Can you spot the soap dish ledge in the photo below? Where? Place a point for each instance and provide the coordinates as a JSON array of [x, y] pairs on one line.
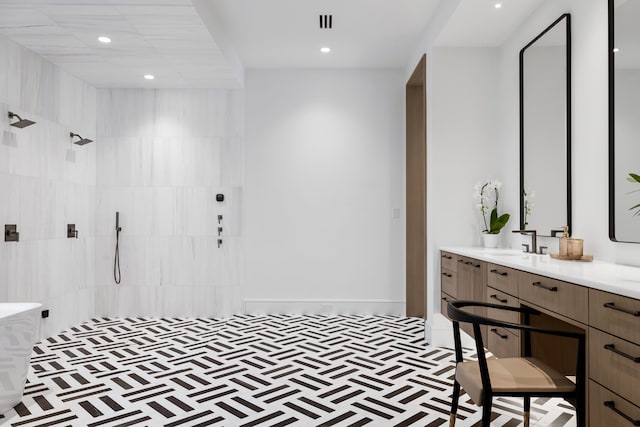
[[582, 258]]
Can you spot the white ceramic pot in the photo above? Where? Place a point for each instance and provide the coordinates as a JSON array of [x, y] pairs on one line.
[[491, 240]]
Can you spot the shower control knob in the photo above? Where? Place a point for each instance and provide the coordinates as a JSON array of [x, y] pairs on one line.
[[219, 243], [219, 230]]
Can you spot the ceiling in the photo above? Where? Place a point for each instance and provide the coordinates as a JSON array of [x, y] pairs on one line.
[[287, 33], [208, 43], [165, 38], [479, 23]]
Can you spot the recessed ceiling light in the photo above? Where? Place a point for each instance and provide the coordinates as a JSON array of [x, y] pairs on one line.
[[325, 49], [104, 39], [497, 5], [149, 76], [616, 50]]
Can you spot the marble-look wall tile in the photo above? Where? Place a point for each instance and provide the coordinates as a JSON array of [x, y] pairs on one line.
[[46, 182], [4, 68], [10, 196], [126, 112], [14, 70], [235, 105], [4, 272], [132, 301], [176, 302], [106, 298], [163, 174], [232, 169]]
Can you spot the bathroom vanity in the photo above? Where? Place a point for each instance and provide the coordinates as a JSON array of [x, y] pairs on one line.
[[600, 299]]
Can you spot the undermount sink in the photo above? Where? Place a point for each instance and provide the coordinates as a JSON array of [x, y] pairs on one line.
[[508, 253]]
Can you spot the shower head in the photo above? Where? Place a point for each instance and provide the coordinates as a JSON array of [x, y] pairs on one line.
[[21, 123], [82, 140]]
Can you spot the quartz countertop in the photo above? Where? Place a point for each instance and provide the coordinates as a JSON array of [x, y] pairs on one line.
[[615, 278]]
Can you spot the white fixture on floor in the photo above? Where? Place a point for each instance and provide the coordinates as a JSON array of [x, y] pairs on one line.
[[19, 324]]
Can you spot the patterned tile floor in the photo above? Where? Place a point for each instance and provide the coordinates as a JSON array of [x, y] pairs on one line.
[[249, 371]]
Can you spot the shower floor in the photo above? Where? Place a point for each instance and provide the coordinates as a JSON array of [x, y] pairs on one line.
[[249, 371]]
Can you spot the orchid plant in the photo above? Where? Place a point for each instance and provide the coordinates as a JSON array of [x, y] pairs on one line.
[[634, 178], [528, 205], [488, 193]]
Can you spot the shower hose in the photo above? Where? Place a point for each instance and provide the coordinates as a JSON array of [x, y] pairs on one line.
[[116, 260]]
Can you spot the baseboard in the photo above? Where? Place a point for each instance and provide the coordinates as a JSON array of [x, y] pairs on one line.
[[310, 306], [439, 333]]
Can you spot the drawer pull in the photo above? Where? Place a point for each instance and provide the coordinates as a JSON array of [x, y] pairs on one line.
[[447, 274], [613, 348], [445, 299], [501, 273], [476, 265], [549, 288], [496, 297], [611, 405], [495, 331], [460, 260], [624, 310], [447, 256]]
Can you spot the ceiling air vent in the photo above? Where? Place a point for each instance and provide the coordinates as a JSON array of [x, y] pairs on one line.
[[326, 21]]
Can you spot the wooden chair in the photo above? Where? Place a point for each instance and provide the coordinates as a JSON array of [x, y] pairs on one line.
[[524, 376]]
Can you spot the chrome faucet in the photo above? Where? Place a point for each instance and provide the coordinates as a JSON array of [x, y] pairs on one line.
[[529, 249]]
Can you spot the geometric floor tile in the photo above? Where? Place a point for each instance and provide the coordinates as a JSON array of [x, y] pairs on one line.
[[275, 370]]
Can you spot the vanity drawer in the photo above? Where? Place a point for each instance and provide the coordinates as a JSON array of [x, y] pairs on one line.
[[448, 282], [444, 300], [608, 409], [503, 278], [611, 364], [494, 296], [448, 261], [615, 314], [502, 342], [561, 297]]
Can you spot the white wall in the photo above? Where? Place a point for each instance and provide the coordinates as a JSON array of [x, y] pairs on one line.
[[324, 169], [45, 184], [163, 155], [492, 139], [589, 125], [462, 150]]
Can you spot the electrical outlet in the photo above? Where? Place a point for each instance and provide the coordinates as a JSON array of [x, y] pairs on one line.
[[45, 313]]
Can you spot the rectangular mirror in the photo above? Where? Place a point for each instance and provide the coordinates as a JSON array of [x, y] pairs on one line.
[[624, 123], [545, 129]]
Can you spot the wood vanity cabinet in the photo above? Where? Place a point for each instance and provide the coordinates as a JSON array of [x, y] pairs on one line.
[[448, 280], [502, 289], [614, 359], [463, 278], [611, 322]]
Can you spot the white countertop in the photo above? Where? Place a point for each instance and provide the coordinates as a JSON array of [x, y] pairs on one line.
[[609, 277]]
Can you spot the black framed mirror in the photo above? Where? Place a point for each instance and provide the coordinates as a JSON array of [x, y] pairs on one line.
[[624, 126], [545, 129]]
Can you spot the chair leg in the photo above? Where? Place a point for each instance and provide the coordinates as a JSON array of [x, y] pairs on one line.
[[580, 412], [454, 403], [527, 410], [486, 410], [580, 406]]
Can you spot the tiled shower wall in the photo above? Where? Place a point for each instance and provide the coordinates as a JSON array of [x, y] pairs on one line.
[[45, 184], [162, 156]]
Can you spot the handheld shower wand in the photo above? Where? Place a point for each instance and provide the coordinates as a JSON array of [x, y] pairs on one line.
[[116, 261]]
